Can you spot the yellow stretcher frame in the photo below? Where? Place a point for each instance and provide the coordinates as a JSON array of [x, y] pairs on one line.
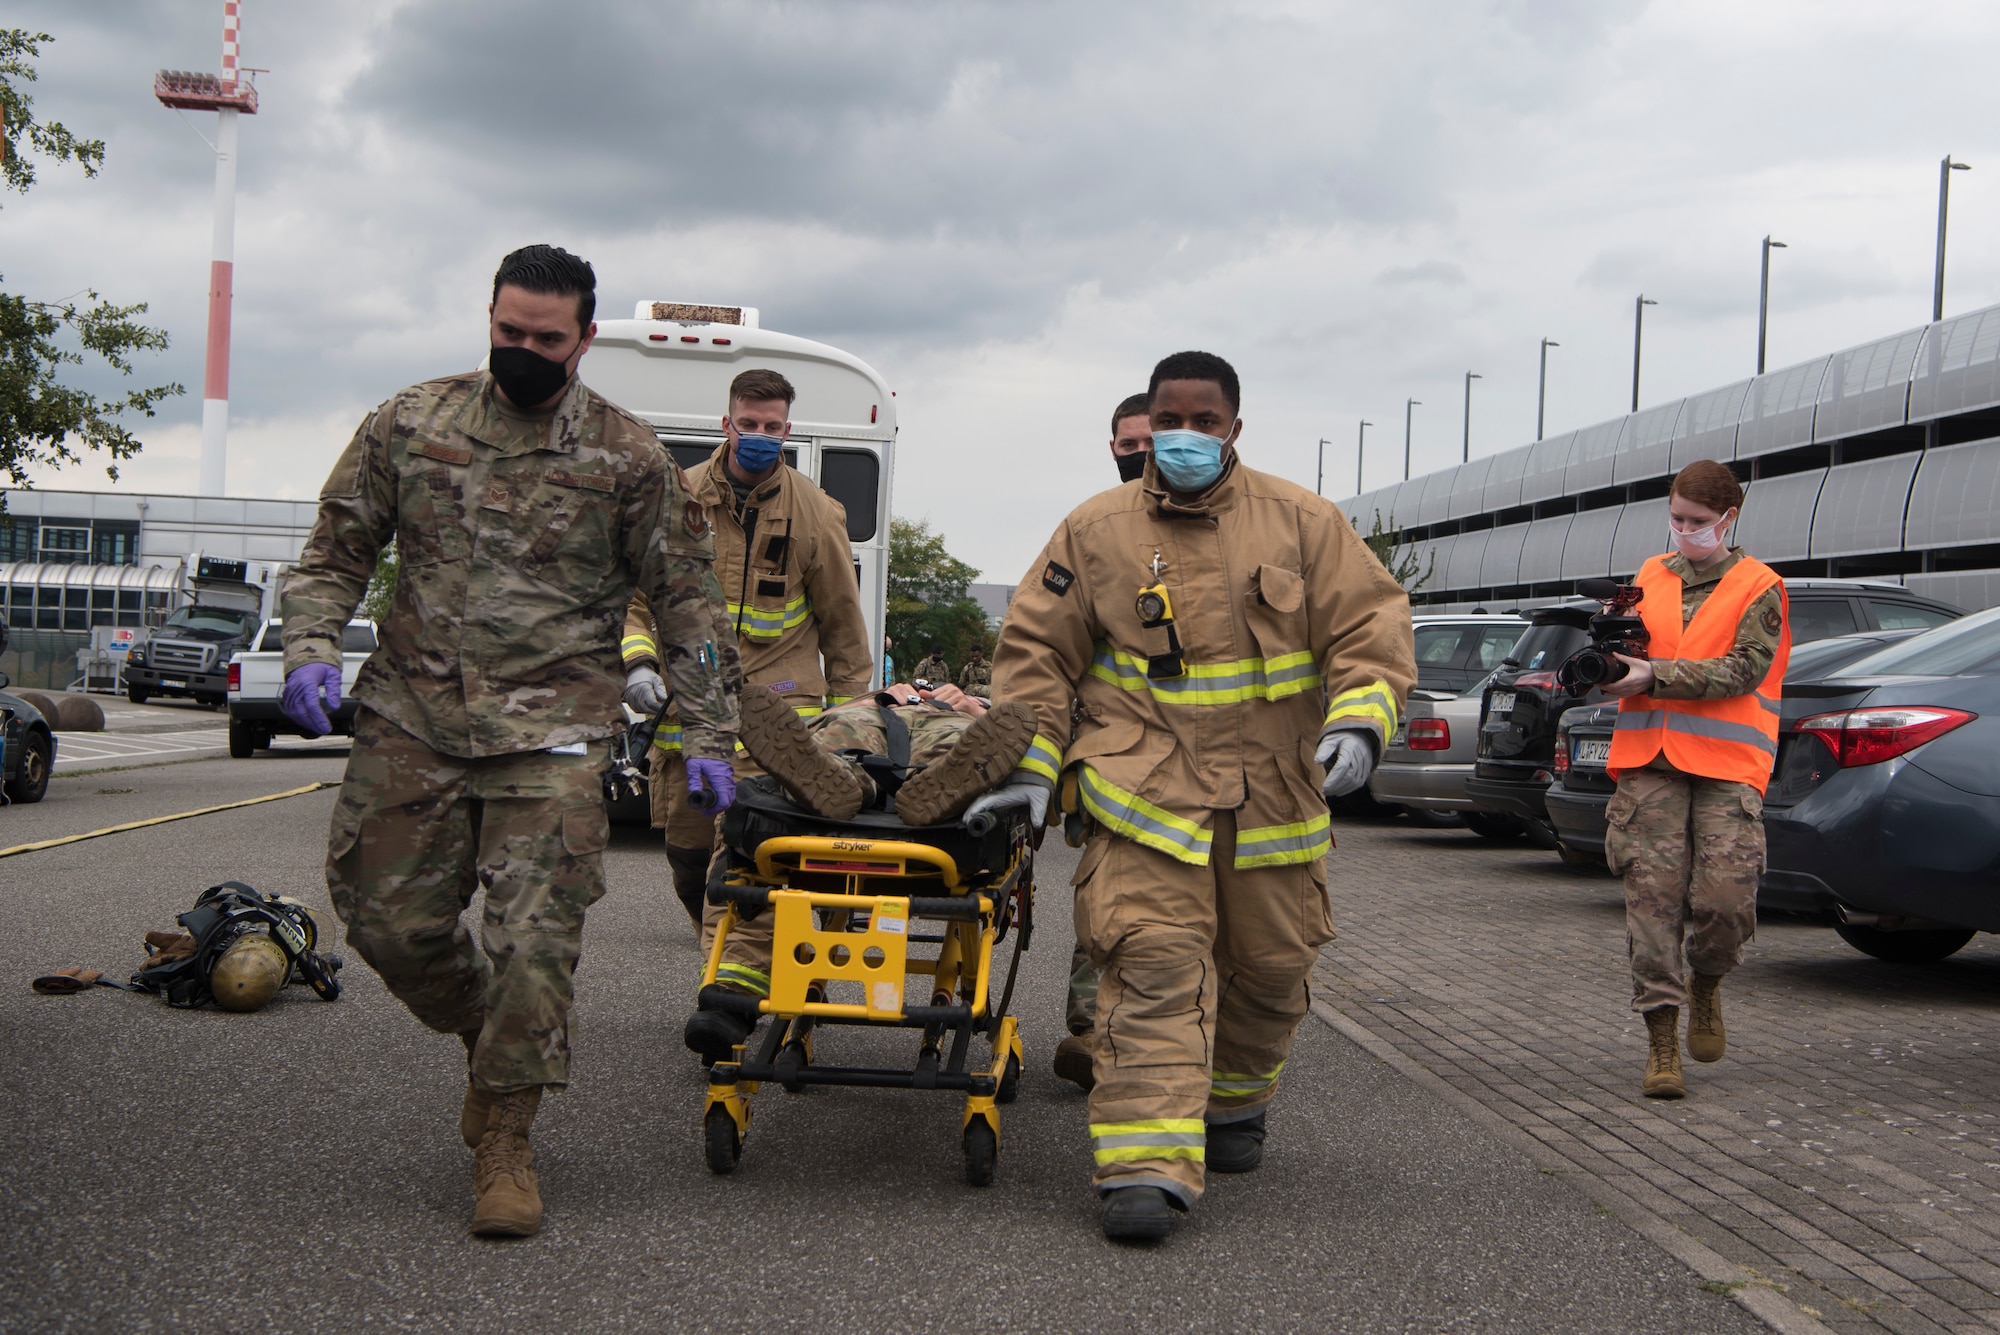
[[808, 953]]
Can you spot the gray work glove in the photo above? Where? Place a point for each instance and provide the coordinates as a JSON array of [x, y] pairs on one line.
[[645, 691], [1349, 757], [1021, 792]]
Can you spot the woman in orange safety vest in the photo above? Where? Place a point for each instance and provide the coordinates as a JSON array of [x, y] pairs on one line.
[[1696, 736]]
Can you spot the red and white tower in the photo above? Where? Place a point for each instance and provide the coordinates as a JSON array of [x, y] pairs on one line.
[[226, 97]]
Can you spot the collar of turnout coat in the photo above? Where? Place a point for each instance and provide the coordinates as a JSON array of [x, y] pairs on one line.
[[1220, 498], [482, 418], [714, 489]]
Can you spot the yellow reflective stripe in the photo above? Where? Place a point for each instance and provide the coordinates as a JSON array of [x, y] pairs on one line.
[[1236, 1084], [1151, 1139], [1374, 702], [638, 646], [667, 739], [763, 625], [745, 977], [1284, 845], [1044, 758], [1142, 822], [833, 701], [1210, 683]]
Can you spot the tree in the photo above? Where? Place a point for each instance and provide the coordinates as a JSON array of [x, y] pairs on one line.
[[42, 420], [1396, 556], [381, 591], [928, 601]]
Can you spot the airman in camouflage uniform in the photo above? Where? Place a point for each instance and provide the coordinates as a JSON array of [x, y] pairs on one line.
[[934, 669], [976, 677], [481, 738]]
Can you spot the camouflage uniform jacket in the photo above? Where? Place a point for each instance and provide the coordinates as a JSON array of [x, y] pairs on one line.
[[787, 575], [521, 539], [1736, 672], [933, 670], [976, 678]]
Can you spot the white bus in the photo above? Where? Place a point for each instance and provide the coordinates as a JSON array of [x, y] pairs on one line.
[[671, 365]]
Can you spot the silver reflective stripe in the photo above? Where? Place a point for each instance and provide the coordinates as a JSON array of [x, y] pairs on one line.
[[1697, 725], [1770, 706], [1149, 1139]]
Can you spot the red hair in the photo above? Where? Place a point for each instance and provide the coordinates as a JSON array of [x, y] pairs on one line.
[[1709, 484]]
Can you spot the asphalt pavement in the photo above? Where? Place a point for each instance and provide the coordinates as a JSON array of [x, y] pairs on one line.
[[299, 1169]]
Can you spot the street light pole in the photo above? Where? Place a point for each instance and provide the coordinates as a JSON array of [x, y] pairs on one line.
[[1638, 332], [1945, 169], [1319, 482], [1764, 300], [1360, 449], [1407, 405], [1465, 454], [1542, 389]]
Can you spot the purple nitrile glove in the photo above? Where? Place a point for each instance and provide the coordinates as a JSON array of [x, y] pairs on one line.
[[301, 699], [718, 777]]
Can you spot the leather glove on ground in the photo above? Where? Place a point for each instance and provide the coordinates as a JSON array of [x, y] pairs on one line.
[[1349, 757], [1034, 796], [301, 698], [719, 776], [645, 691]]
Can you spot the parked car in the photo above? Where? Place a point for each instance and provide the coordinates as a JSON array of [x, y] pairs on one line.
[[1515, 764], [1583, 787], [1429, 759], [1885, 805], [256, 686], [30, 748], [1455, 652]]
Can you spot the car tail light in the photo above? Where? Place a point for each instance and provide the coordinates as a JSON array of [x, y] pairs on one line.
[[1871, 736], [1544, 680], [1560, 762], [235, 676], [1429, 734]]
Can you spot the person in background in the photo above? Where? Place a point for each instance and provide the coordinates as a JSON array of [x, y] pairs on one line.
[[976, 678], [888, 660], [1131, 437], [934, 669]]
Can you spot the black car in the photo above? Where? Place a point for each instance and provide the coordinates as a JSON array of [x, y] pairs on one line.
[[1885, 804], [1583, 747], [1517, 731], [30, 748]]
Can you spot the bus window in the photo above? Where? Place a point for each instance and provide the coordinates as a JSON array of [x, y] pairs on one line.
[[687, 456], [853, 477]]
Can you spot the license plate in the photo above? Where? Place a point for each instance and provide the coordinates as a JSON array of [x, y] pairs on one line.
[[173, 681], [1503, 702], [1591, 751]]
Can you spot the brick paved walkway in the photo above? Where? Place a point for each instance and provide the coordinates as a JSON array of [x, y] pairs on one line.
[[1846, 1152]]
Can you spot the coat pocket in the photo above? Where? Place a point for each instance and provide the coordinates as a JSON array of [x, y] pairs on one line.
[[1617, 833], [1276, 612]]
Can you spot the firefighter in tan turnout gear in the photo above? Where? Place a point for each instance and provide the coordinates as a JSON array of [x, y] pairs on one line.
[[1238, 655], [787, 573]]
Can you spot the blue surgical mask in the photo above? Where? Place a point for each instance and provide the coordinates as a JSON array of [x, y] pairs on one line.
[[754, 454], [1188, 461]]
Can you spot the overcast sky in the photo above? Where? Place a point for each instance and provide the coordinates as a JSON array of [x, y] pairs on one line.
[[1013, 210]]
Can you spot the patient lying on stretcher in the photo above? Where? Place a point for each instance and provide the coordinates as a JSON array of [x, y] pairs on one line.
[[960, 747]]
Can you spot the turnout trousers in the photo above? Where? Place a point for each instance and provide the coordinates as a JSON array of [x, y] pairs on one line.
[[1690, 850], [415, 833], [1203, 985], [691, 834]]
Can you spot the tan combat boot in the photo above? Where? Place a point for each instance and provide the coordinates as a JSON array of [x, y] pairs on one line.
[[1663, 1058], [478, 1103], [777, 739], [982, 758], [1076, 1061], [503, 1169], [1707, 1039]]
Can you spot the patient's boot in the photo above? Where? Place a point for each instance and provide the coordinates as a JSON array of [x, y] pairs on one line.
[[982, 758], [777, 739]]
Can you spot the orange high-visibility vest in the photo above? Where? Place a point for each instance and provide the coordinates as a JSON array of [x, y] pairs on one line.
[[1735, 739]]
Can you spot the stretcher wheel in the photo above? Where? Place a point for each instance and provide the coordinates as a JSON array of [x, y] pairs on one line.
[[724, 1144], [982, 1147], [1010, 1081]]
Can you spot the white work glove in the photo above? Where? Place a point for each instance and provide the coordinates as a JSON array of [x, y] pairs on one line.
[[1021, 792], [645, 691], [1349, 757]]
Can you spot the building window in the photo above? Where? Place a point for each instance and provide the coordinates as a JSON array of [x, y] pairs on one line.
[[115, 542], [64, 544], [17, 539]]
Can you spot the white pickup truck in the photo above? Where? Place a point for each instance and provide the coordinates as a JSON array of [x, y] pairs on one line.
[[257, 681]]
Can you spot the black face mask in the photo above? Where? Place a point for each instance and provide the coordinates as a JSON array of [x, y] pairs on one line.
[[525, 376], [1131, 467]]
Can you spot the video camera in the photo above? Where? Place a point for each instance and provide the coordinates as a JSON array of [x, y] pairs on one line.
[[1615, 630]]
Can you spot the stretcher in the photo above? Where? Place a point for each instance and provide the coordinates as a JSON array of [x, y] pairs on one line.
[[875, 924]]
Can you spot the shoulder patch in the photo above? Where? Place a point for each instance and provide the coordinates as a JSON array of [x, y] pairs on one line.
[[1773, 623], [1057, 579], [695, 519]]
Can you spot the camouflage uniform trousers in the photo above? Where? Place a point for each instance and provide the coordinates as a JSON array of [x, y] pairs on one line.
[[1690, 850], [746, 955], [415, 833]]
